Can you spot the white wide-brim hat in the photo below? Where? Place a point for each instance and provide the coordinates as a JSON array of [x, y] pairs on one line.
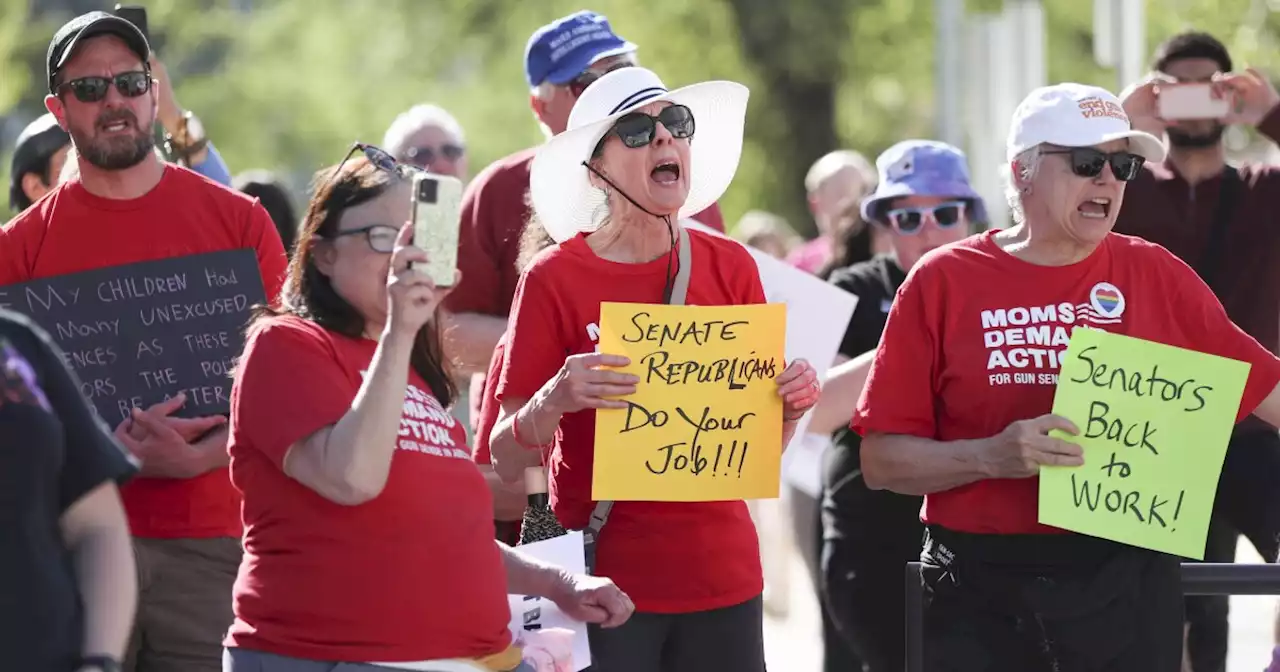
[[565, 201]]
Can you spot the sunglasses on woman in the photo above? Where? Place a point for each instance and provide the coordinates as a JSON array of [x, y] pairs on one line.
[[94, 89], [381, 237], [909, 221], [637, 128], [1088, 162]]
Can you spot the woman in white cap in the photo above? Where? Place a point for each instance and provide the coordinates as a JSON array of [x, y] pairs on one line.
[[612, 191], [957, 403]]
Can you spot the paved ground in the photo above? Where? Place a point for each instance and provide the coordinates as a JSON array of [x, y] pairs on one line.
[[792, 643]]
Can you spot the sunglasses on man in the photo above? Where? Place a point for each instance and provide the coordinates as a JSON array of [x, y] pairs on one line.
[[425, 156], [909, 221], [1088, 162], [94, 89], [580, 83]]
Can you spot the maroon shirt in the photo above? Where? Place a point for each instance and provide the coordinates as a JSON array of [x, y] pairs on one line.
[[1163, 208]]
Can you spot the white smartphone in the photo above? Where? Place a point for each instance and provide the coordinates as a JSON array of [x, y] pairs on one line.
[[437, 205], [1191, 101]]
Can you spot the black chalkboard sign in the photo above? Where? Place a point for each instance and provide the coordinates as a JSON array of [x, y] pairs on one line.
[[141, 333]]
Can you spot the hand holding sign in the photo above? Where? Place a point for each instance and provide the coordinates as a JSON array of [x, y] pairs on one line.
[[593, 599], [190, 429], [799, 388], [1025, 446], [582, 383]]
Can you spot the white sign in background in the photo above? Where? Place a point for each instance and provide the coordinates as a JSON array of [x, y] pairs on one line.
[[817, 315], [528, 613]]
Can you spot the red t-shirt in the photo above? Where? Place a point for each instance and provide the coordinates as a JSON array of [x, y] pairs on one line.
[[974, 339], [670, 557], [71, 231], [413, 574], [490, 407]]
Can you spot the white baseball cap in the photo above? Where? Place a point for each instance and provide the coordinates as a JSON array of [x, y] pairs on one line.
[[1076, 115]]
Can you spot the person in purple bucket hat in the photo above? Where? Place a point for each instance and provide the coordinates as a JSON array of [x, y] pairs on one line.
[[923, 201]]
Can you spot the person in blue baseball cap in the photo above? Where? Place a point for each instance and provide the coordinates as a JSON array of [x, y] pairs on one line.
[[923, 200], [562, 59]]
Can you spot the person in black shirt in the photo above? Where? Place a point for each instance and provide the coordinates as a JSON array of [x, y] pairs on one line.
[[924, 201], [67, 579]]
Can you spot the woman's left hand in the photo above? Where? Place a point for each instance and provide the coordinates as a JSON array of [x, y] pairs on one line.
[[799, 388]]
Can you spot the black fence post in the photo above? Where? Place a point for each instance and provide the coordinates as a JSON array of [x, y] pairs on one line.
[[915, 618]]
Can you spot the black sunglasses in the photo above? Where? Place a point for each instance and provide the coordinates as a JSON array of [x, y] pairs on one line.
[[381, 237], [581, 82], [379, 157], [909, 221], [94, 89], [637, 129], [1088, 162], [424, 156]]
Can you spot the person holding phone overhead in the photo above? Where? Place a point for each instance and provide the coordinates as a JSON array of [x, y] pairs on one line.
[[354, 474], [1224, 222], [612, 190]]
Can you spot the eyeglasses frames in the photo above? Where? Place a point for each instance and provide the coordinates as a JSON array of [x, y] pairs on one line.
[[580, 83]]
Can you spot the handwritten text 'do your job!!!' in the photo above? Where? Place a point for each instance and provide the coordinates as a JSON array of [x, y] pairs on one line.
[[705, 422]]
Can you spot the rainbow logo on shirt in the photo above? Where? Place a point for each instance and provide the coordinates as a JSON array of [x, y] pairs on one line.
[[1106, 299]]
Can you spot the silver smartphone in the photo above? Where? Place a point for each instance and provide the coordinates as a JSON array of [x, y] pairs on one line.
[[437, 205]]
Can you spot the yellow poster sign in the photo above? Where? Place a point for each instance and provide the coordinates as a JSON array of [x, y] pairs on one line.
[[1154, 423], [705, 423]]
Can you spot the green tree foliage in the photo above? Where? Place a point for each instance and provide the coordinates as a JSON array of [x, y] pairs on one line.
[[288, 84]]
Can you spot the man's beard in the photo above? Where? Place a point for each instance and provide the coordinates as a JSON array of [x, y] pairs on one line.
[[1184, 140], [118, 152]]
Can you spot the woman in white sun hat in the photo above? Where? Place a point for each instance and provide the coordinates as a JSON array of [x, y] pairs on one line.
[[611, 191], [958, 406]]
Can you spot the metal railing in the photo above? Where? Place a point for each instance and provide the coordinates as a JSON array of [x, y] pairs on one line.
[[1197, 579]]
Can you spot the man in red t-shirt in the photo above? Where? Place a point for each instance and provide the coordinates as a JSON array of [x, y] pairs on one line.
[[494, 207], [128, 206]]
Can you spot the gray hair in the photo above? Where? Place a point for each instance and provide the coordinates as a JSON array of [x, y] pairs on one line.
[[836, 161], [1021, 170], [415, 119]]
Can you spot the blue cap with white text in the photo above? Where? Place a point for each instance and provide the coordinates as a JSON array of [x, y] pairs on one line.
[[560, 51]]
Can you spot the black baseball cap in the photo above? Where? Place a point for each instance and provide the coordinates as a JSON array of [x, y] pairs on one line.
[[90, 25], [35, 147]]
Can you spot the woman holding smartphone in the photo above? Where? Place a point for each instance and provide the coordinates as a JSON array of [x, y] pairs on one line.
[[368, 529]]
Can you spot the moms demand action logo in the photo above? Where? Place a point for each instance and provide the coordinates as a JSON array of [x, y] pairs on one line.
[[1025, 344]]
